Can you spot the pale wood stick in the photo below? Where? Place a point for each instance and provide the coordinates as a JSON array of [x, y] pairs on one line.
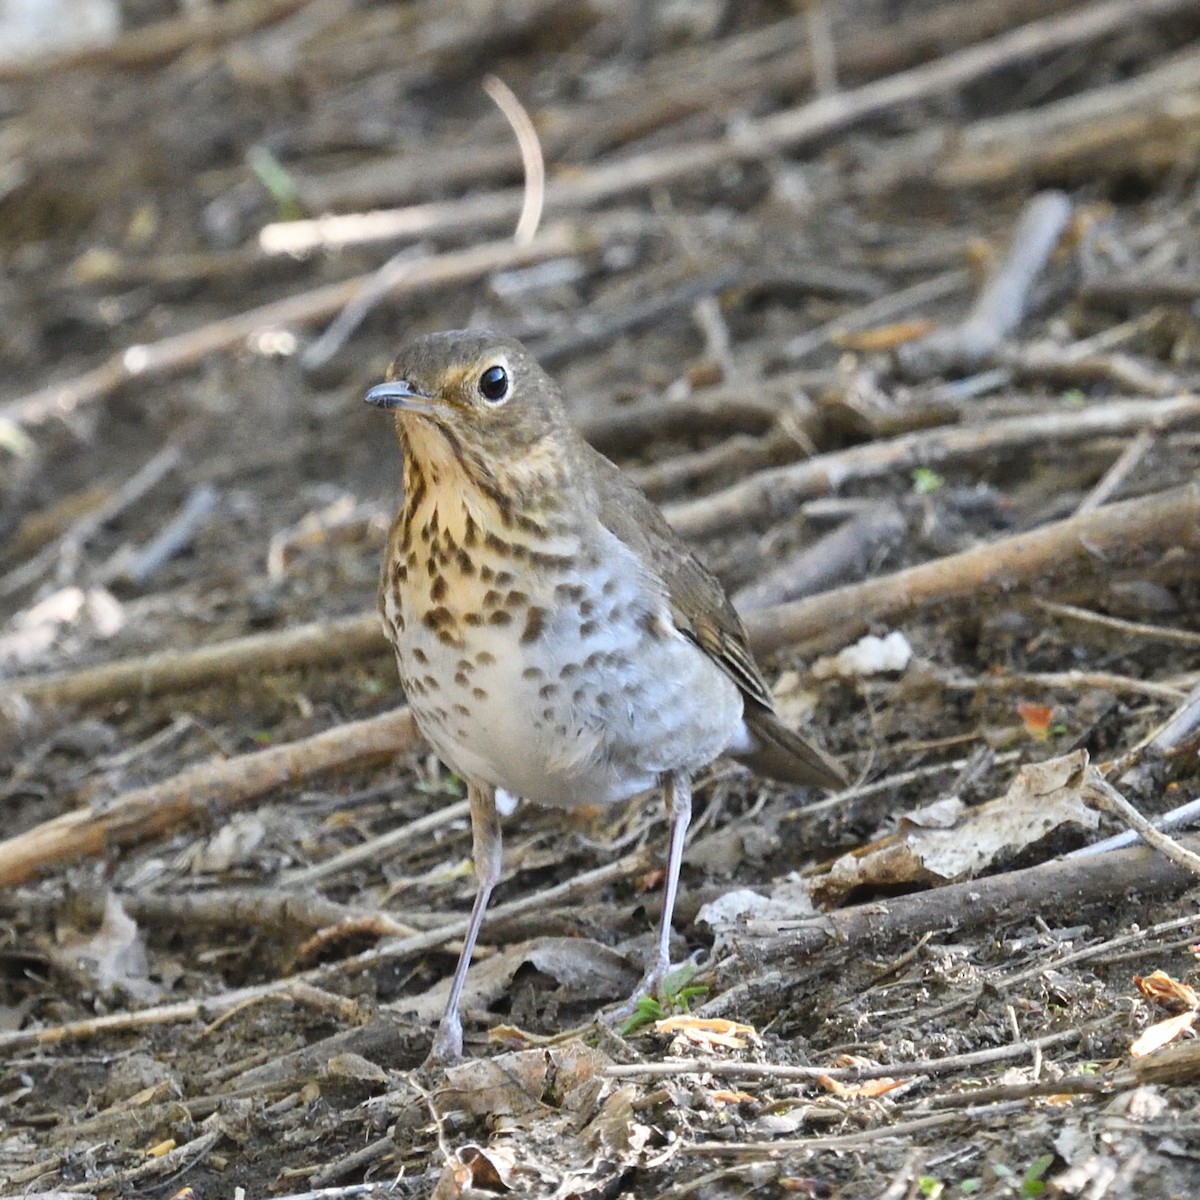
[[320, 642], [1065, 886], [772, 493], [160, 40], [184, 350], [756, 139], [201, 792], [1100, 542]]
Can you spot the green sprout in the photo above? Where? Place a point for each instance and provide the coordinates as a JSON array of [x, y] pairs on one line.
[[274, 176], [926, 481], [677, 996]]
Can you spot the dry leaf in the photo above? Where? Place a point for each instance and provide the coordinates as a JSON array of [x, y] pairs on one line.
[[587, 969], [1170, 993], [114, 956], [727, 1097], [1036, 718], [882, 337], [1043, 797], [708, 1031], [868, 1089], [1161, 1033]]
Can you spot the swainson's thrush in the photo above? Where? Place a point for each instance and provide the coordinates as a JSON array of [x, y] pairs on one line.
[[555, 638]]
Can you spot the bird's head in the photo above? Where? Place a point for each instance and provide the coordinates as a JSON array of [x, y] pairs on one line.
[[483, 392]]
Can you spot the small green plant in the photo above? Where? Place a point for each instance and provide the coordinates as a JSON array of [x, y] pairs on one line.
[[928, 1186], [677, 996], [1033, 1184], [969, 1187], [274, 176], [925, 481]]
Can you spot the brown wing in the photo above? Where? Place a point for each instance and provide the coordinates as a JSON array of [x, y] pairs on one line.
[[699, 606]]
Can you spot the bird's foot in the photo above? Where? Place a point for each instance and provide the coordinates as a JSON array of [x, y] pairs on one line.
[[662, 983], [447, 1048]]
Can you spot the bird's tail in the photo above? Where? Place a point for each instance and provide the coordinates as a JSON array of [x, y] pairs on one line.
[[781, 753]]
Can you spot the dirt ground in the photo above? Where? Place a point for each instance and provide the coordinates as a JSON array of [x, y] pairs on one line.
[[892, 305]]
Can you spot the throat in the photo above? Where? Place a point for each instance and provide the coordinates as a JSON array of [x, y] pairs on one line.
[[466, 495]]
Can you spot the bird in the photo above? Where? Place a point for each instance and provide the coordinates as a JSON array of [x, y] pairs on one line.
[[555, 638]]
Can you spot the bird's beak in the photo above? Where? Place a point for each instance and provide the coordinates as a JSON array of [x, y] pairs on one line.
[[400, 394]]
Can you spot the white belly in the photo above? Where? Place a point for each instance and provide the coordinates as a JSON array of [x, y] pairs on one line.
[[596, 707]]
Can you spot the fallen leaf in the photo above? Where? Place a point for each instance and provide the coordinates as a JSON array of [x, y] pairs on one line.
[[1036, 718], [868, 1089], [712, 1031], [727, 1097], [1170, 993], [882, 337], [1043, 797], [1161, 1033], [114, 956]]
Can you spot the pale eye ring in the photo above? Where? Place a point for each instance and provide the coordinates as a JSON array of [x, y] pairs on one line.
[[494, 385]]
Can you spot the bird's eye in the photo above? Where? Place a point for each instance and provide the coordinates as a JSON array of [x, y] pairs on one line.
[[493, 385]]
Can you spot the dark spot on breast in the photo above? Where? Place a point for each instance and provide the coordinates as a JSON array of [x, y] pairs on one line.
[[578, 694], [587, 628], [551, 562], [532, 673], [500, 617], [547, 714], [610, 586], [430, 683], [568, 669], [462, 710], [461, 679], [594, 660], [515, 599], [435, 618], [615, 613], [465, 564], [485, 658], [438, 589], [419, 655], [470, 531], [491, 598], [547, 690], [587, 607], [447, 638], [474, 619], [486, 574], [535, 623], [569, 593], [479, 693], [650, 625], [504, 578]]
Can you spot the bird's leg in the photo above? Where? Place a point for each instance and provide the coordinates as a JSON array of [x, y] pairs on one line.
[[486, 836], [677, 794]]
